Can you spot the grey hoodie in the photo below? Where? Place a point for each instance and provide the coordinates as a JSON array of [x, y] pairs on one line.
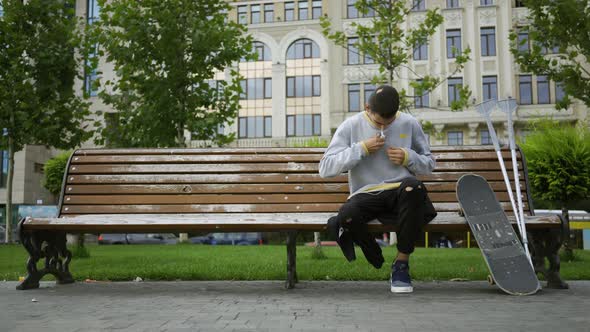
[[375, 172]]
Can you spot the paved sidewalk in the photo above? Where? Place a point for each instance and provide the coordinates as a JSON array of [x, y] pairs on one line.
[[267, 306]]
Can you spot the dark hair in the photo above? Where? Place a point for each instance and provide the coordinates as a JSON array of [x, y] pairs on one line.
[[384, 101]]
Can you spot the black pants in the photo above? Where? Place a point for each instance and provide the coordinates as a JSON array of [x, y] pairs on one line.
[[407, 206]]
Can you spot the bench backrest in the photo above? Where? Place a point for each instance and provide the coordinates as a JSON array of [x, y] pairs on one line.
[[264, 180]]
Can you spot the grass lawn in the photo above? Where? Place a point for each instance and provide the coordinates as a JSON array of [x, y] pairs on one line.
[[268, 262]]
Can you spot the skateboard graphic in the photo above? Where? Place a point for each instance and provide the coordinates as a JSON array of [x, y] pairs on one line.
[[503, 253]]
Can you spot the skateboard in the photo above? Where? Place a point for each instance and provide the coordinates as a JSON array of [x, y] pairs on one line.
[[503, 253]]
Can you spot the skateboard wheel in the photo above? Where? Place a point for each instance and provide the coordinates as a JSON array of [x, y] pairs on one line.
[[491, 280]]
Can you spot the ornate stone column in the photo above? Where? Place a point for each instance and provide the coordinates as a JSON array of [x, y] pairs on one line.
[[279, 106], [472, 135], [438, 134]]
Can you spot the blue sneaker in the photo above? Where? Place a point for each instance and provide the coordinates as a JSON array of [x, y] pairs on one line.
[[400, 278]]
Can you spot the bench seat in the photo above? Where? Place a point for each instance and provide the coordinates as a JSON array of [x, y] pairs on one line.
[[269, 222]]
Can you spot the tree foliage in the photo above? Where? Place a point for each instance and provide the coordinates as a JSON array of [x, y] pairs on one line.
[[41, 45], [390, 44], [559, 27], [53, 172], [558, 160], [38, 66], [164, 53]]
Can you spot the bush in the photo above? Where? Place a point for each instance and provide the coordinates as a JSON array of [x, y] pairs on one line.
[[54, 172], [558, 159]]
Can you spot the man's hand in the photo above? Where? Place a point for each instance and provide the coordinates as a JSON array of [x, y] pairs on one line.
[[396, 155], [373, 144]]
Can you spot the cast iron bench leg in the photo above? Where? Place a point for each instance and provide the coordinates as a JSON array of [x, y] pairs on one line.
[[291, 260], [545, 243], [50, 245]]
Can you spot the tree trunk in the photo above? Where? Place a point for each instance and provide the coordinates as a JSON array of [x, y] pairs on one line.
[[8, 238], [317, 240]]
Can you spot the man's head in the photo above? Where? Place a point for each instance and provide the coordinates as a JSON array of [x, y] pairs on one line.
[[384, 102]]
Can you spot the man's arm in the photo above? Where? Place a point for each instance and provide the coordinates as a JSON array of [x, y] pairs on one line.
[[418, 159], [341, 155]]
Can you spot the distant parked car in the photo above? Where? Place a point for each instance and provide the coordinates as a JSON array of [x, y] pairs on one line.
[[228, 238], [137, 239]]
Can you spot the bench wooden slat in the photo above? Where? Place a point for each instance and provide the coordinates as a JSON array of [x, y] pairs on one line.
[[251, 198], [455, 175], [211, 151], [472, 166], [256, 158], [202, 178], [204, 199], [193, 168], [206, 151], [197, 159], [207, 188], [229, 208], [200, 208], [242, 222]]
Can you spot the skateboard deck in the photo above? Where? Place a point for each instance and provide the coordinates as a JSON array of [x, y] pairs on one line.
[[497, 239]]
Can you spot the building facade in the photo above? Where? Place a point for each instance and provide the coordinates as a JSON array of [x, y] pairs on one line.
[[302, 86]]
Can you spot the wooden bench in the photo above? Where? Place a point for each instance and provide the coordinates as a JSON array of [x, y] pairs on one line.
[[245, 190]]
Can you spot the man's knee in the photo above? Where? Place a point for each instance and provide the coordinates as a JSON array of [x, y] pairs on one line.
[[412, 185], [349, 215]]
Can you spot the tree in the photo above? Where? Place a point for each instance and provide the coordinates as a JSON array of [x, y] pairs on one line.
[[164, 54], [558, 160], [558, 27], [39, 45], [390, 45]]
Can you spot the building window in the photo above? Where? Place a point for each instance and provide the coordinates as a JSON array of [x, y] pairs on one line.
[[256, 88], [488, 41], [523, 42], [269, 13], [559, 92], [303, 86], [486, 2], [254, 126], [254, 14], [543, 95], [455, 85], [421, 52], [423, 100], [453, 43], [354, 97], [525, 89], [351, 11], [316, 9], [418, 5], [490, 87], [452, 3], [243, 14], [519, 3], [369, 89], [304, 125], [289, 11], [455, 138], [1, 10], [303, 10], [4, 171], [353, 52], [303, 49], [485, 137], [262, 50]]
